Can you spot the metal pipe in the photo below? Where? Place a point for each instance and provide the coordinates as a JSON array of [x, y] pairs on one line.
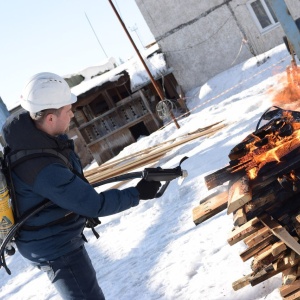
[[287, 23], [156, 86]]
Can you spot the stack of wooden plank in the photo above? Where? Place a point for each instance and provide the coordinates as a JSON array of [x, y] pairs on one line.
[[147, 156], [262, 186]]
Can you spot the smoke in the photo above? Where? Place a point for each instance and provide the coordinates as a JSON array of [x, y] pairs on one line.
[[287, 95]]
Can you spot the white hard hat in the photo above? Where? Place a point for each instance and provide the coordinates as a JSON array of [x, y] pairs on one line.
[[46, 90]]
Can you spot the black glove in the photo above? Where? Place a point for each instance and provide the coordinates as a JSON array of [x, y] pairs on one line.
[[147, 189], [92, 222]]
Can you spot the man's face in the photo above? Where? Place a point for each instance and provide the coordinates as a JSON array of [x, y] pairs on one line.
[[62, 121]]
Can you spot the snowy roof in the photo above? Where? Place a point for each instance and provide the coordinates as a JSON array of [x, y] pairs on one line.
[[138, 75]]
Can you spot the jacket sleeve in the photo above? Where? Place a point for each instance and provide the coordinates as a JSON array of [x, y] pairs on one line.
[[58, 184]]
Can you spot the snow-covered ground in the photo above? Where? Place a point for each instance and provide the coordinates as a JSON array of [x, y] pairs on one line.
[[155, 251]]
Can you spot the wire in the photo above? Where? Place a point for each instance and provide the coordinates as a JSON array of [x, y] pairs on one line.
[[226, 91], [201, 42], [242, 43]]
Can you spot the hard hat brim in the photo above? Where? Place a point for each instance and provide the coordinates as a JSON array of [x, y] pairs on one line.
[[31, 107], [73, 98]]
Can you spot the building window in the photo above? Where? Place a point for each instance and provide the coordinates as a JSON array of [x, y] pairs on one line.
[[262, 14]]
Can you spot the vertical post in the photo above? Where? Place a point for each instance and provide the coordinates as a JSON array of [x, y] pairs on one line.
[[148, 108], [156, 86], [288, 24]]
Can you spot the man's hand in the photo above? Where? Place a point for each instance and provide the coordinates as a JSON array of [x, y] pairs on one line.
[[147, 189]]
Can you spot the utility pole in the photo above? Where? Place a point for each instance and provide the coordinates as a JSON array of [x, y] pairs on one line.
[[135, 29], [287, 23], [156, 86]]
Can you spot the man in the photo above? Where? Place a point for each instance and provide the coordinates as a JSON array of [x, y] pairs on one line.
[[53, 239]]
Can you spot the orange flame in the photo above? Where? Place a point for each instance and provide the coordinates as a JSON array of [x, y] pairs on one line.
[[276, 148], [289, 95]]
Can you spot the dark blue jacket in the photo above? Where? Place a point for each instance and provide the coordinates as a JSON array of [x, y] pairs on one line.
[[47, 177]]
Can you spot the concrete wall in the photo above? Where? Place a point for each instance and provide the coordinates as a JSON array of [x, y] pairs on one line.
[[203, 38]]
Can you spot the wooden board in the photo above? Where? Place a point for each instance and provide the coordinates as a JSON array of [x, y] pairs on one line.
[[293, 296], [266, 175], [261, 199], [289, 276], [281, 233], [268, 255], [239, 194], [266, 274], [245, 230], [219, 177], [288, 289], [255, 249], [210, 207], [238, 284], [141, 159], [257, 237], [255, 278], [239, 217]]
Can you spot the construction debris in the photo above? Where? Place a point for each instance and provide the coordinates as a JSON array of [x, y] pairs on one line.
[[262, 193]]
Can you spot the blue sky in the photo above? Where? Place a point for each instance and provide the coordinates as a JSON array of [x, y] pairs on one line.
[[56, 36]]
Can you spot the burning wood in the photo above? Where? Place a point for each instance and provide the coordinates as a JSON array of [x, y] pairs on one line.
[[262, 194]]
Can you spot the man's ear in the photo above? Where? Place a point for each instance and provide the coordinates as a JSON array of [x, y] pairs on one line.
[[50, 118]]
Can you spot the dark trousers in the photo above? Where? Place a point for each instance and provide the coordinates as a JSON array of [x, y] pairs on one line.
[[74, 276]]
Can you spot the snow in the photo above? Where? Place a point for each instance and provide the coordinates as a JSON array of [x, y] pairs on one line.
[[154, 250], [88, 73], [138, 75]]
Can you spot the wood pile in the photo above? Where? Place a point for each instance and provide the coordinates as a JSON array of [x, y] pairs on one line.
[[263, 194], [147, 156]]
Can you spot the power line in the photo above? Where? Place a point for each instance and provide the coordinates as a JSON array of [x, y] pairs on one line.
[[96, 35]]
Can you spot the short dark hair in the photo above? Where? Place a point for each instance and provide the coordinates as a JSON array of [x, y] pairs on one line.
[[41, 115]]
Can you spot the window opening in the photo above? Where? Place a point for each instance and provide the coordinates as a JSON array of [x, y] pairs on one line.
[[263, 14], [138, 130], [99, 105]]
